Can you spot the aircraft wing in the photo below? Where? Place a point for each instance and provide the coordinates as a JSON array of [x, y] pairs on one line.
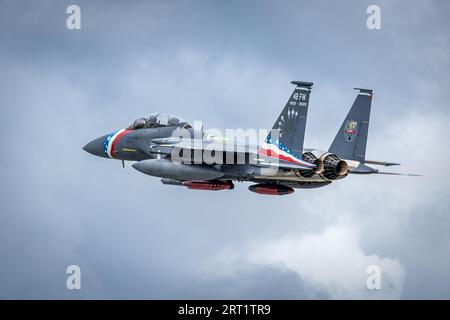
[[267, 162], [231, 149], [363, 169]]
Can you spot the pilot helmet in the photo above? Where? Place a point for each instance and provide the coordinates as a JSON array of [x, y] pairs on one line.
[[152, 119], [139, 123], [173, 120]]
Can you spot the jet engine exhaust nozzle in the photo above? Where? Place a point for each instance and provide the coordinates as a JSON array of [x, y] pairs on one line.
[[334, 167], [311, 158]]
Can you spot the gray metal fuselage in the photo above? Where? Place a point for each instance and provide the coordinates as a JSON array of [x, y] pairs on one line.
[[148, 144], [166, 146]]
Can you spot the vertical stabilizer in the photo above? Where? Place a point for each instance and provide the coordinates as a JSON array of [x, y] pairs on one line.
[[351, 140]]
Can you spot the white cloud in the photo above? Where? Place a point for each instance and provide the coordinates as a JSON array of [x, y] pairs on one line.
[[362, 221], [235, 72]]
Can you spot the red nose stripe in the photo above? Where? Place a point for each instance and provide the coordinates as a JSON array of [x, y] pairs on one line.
[[120, 135]]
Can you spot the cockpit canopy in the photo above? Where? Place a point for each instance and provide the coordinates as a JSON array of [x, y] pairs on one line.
[[156, 120]]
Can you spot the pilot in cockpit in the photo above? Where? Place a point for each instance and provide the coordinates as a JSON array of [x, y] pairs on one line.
[[158, 120]]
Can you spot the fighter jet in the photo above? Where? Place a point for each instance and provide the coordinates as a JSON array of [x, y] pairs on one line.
[[170, 148]]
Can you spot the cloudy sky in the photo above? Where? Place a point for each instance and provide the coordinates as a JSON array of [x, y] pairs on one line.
[[228, 63]]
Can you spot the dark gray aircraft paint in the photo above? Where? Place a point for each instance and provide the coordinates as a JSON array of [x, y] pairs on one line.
[[292, 133], [280, 164], [355, 128]]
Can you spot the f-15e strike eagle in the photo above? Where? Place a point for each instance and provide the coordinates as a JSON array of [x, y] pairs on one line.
[[167, 147]]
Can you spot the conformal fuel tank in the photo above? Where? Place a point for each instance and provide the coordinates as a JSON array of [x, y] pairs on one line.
[[173, 170]]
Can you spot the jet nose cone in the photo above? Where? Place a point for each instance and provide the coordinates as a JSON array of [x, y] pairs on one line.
[[95, 147]]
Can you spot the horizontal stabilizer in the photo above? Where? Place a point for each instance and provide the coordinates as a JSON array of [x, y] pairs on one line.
[[400, 174], [363, 169]]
